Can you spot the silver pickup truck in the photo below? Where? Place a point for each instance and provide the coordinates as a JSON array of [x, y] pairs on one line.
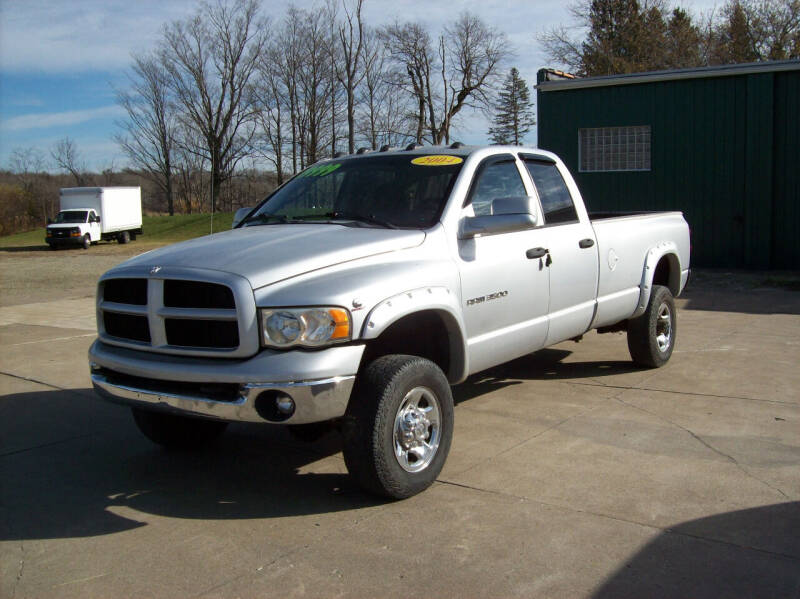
[[360, 290]]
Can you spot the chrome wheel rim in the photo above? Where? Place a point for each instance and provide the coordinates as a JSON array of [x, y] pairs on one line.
[[417, 429], [664, 328]]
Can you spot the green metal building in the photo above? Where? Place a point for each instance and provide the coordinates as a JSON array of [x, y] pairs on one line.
[[721, 144]]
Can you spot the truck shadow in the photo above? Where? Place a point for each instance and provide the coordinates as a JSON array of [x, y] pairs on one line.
[[27, 248], [745, 553], [71, 465], [75, 472], [543, 365]]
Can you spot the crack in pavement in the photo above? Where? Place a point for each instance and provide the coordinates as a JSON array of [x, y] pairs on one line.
[[666, 530], [706, 444], [694, 393]]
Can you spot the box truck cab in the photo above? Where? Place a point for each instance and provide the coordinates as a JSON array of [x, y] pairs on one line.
[[89, 214]]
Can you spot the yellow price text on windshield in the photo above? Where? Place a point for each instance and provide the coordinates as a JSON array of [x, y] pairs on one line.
[[437, 160]]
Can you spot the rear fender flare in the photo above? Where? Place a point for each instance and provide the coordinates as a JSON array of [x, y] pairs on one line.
[[668, 249]]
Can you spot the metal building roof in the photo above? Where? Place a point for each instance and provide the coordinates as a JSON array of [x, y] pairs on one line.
[[562, 81]]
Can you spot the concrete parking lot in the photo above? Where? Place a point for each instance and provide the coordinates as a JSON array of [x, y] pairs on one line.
[[572, 473]]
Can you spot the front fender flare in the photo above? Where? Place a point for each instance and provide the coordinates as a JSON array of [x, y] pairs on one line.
[[431, 298]]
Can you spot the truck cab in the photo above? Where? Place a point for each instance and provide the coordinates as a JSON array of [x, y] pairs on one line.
[[74, 227]]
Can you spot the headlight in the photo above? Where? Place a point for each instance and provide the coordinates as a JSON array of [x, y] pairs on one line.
[[309, 327]]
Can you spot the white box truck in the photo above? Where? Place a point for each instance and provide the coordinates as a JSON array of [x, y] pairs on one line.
[[89, 214]]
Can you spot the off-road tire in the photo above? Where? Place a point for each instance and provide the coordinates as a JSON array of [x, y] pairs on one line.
[[651, 336], [368, 428], [175, 431]]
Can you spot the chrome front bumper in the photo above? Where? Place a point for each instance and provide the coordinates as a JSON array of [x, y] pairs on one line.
[[176, 384]]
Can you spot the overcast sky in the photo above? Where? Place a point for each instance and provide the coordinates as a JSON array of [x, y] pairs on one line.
[[60, 61]]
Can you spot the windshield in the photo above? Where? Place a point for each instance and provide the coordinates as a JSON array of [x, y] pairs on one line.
[[72, 216], [400, 191]]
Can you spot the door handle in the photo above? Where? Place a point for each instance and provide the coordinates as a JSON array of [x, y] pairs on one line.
[[536, 253], [586, 243]]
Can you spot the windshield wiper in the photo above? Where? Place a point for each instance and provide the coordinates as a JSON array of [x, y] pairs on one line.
[[263, 219], [362, 218]]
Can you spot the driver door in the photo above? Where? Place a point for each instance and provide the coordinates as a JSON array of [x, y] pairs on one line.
[[504, 285]]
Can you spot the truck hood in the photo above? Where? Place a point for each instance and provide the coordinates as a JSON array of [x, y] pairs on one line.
[[270, 253]]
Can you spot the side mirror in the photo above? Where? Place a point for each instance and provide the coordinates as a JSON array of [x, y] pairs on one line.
[[239, 216], [508, 215], [97, 219]]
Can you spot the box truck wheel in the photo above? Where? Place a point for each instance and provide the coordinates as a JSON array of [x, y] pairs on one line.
[[124, 237], [87, 241]]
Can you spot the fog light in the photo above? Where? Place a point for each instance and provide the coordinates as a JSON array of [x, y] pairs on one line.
[[274, 406]]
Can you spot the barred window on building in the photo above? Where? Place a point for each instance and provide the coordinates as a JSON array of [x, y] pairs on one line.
[[614, 149]]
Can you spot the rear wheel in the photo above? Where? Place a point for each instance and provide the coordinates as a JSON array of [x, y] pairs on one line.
[[399, 426], [651, 336], [124, 237], [175, 431]]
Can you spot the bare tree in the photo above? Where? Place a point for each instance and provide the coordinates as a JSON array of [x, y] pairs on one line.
[[28, 164], [148, 136], [314, 86], [272, 97], [349, 69], [67, 158], [384, 116], [471, 54], [410, 47], [466, 61], [210, 59]]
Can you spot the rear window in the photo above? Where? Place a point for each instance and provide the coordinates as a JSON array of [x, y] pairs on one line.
[[402, 190], [553, 193]]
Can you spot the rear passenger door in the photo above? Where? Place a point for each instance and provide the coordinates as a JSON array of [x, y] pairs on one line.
[[573, 263]]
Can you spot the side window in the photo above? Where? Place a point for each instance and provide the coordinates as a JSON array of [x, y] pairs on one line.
[[556, 200], [498, 180]]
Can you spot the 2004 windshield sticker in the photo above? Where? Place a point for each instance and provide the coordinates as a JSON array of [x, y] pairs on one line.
[[437, 160], [319, 171]]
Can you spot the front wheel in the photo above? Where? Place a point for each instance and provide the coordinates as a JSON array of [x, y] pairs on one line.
[[398, 426], [651, 336], [87, 241], [175, 431]]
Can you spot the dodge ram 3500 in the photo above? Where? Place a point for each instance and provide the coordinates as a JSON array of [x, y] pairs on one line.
[[366, 286]]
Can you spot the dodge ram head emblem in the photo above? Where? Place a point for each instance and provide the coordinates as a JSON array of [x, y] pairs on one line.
[[154, 270]]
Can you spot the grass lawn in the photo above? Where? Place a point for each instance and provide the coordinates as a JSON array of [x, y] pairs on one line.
[[157, 229]]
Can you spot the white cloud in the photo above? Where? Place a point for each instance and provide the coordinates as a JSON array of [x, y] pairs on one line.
[[57, 37], [60, 119]]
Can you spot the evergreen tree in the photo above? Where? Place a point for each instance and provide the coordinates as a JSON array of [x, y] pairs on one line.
[[513, 111]]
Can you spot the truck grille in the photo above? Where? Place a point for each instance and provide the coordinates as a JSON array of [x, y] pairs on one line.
[[172, 315], [202, 333], [196, 294], [127, 326]]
